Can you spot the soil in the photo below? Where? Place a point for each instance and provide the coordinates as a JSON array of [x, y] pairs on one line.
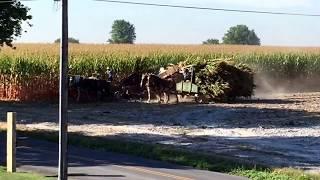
[[282, 130]]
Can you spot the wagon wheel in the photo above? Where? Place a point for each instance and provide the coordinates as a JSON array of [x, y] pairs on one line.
[[201, 98]]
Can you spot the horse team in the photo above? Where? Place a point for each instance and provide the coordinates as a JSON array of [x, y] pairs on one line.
[[135, 86]]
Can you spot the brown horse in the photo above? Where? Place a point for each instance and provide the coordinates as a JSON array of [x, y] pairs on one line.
[[130, 86], [155, 84]]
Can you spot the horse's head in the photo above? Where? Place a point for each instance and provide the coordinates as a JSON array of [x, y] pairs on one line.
[[176, 77], [74, 80]]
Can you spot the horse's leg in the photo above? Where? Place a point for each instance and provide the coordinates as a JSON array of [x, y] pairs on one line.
[[78, 94], [177, 98], [158, 94], [88, 96], [149, 95], [166, 95]]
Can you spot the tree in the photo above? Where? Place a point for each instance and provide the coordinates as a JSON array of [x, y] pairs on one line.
[[70, 40], [241, 34], [211, 41], [12, 15], [122, 32]]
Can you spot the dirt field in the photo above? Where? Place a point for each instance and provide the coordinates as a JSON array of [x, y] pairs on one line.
[[282, 131]]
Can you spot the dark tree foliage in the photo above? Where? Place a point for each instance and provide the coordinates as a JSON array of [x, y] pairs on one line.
[[241, 34], [211, 41], [70, 40], [122, 32], [12, 15]]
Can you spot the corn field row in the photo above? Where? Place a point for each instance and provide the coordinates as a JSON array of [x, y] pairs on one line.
[[32, 69]]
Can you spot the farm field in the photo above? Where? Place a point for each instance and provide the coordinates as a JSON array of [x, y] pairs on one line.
[[281, 131], [30, 73], [278, 127], [37, 59]]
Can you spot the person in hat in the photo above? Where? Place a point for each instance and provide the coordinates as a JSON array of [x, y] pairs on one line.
[[186, 74], [109, 74]]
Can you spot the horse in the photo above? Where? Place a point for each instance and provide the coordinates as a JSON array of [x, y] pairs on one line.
[[157, 85], [130, 86], [89, 88]]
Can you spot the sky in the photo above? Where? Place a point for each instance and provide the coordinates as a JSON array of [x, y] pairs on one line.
[[90, 21]]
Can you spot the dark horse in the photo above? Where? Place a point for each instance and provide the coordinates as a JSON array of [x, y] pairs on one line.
[[130, 86], [87, 89], [155, 84]]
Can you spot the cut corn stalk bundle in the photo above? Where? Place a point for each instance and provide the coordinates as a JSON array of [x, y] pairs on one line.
[[223, 80]]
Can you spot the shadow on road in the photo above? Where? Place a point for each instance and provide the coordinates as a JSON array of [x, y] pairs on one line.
[[297, 151], [88, 175], [45, 154], [266, 113]]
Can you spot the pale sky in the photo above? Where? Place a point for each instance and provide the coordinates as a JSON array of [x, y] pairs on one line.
[[91, 21]]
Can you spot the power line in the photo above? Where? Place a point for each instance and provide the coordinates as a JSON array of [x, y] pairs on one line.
[[198, 8], [14, 1], [208, 8]]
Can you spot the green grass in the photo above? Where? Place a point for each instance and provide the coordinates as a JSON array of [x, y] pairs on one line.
[[278, 174], [178, 156], [19, 176]]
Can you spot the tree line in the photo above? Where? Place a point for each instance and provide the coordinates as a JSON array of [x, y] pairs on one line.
[[239, 34], [13, 14], [123, 32]]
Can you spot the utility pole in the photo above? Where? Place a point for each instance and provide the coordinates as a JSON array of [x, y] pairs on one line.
[[63, 95]]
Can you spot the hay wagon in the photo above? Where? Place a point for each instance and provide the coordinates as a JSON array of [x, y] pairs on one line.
[[189, 88]]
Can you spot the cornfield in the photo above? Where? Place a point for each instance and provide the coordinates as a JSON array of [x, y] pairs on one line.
[[30, 72]]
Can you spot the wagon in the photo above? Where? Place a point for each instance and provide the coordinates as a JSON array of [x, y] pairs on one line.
[[188, 88]]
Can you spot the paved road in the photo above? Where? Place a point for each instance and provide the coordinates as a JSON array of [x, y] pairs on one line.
[[42, 157]]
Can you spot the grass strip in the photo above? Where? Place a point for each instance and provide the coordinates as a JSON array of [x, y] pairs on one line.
[[19, 176]]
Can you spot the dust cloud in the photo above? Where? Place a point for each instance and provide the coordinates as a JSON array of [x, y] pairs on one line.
[[269, 87]]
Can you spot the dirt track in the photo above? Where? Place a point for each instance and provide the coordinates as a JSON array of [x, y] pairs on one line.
[[282, 131]]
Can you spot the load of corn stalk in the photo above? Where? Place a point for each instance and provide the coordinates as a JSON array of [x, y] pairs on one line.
[[223, 80], [218, 79]]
